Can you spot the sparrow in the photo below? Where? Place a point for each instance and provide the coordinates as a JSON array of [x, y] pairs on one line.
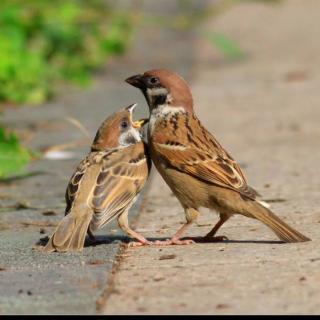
[[105, 184], [199, 171]]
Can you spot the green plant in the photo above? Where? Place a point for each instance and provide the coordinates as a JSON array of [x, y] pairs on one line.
[[13, 156], [43, 42], [226, 45]]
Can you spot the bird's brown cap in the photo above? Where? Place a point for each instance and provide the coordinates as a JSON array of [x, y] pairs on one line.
[[177, 87]]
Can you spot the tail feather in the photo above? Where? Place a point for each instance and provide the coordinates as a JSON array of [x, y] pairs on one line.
[[279, 227], [70, 234]]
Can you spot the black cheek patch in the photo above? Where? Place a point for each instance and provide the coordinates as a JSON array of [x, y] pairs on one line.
[[160, 99]]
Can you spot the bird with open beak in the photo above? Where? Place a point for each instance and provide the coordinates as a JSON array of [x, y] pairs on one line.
[[194, 164], [105, 184]]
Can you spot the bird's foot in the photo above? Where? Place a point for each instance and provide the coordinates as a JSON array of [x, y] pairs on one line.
[[173, 241], [134, 244], [182, 242]]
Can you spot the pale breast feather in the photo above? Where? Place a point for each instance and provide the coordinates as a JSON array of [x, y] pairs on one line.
[[168, 109], [163, 113]]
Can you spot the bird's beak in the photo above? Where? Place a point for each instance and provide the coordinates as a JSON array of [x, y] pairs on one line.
[[131, 107], [136, 124], [136, 81], [140, 123]]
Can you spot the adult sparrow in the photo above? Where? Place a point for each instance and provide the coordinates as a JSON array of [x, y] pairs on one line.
[[105, 184], [193, 163]]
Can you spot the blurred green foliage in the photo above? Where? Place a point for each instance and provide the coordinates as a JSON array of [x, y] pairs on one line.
[[43, 42], [13, 156], [46, 42], [226, 45]]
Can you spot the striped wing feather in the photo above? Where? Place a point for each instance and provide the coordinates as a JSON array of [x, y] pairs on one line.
[[120, 180], [74, 183], [196, 152]]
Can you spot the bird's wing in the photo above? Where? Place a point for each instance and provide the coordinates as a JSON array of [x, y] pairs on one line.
[[196, 152], [75, 181], [121, 177]]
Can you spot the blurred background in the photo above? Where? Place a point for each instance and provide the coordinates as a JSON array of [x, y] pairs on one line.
[[253, 66], [48, 49]]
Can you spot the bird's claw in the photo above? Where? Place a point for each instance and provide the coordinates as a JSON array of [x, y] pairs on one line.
[[182, 242], [170, 242], [134, 244]]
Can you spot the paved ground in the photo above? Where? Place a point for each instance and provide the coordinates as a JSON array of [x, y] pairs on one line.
[[265, 111], [31, 282]]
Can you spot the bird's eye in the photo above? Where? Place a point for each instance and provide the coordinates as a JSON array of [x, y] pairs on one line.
[[154, 80], [124, 124]]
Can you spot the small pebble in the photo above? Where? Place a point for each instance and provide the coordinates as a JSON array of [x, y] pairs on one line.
[[49, 213], [95, 262], [158, 278], [222, 306], [167, 257]]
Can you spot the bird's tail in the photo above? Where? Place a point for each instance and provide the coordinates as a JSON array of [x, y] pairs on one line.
[[279, 227], [70, 234]]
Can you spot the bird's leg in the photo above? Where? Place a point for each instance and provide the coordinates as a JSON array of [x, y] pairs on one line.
[[124, 225], [176, 238], [191, 216], [210, 236]]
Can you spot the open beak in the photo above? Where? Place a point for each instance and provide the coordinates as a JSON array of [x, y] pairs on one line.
[[136, 124], [140, 123], [136, 81], [131, 107]]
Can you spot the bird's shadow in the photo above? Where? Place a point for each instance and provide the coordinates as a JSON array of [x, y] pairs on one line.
[[109, 239], [99, 240], [227, 241]]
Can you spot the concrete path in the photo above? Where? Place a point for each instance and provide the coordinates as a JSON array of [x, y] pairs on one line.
[[265, 110], [33, 283]]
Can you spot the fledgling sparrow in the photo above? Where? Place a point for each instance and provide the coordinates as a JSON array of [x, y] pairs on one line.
[[105, 184], [193, 163]]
